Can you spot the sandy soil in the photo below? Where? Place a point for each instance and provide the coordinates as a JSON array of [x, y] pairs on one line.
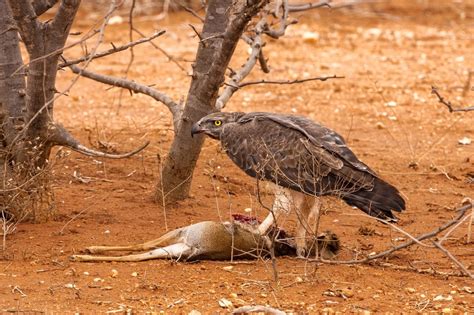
[[383, 107]]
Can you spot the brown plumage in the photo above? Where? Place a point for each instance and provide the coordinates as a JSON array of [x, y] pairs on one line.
[[296, 153]]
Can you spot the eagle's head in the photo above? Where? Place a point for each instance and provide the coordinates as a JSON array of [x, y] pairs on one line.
[[213, 124]]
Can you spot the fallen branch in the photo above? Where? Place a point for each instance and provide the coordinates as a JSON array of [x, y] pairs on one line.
[[454, 259], [111, 51], [462, 211], [448, 104]]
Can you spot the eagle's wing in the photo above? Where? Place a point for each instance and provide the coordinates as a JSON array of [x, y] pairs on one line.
[[297, 153]]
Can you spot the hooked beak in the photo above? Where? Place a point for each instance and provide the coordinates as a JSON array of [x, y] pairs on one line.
[[196, 129]]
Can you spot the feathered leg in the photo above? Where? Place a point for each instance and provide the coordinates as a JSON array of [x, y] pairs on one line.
[[281, 204], [307, 211]]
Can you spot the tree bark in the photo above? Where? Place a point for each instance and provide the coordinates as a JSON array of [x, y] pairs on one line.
[[12, 103], [224, 24], [12, 86]]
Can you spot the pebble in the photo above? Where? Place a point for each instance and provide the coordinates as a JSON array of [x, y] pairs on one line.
[[442, 298], [114, 273], [228, 268], [134, 274], [467, 289], [225, 303], [410, 290], [194, 312], [86, 273], [233, 295]]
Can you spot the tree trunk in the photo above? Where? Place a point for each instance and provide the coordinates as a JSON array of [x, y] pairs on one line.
[[12, 101], [26, 108], [224, 24]]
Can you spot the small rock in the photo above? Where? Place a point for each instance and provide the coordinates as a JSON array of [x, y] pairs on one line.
[[380, 125], [467, 289], [116, 19], [86, 273], [446, 310], [410, 290], [98, 280], [70, 286], [248, 210], [299, 279], [440, 297], [233, 295], [347, 292], [107, 232], [134, 274], [228, 268], [465, 141], [328, 311], [239, 303], [391, 104], [194, 312], [212, 291], [106, 288], [225, 303], [114, 273]]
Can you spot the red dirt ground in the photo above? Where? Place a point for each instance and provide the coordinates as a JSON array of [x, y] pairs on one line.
[[394, 57]]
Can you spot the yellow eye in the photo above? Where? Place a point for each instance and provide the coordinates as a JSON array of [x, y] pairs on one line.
[[217, 122]]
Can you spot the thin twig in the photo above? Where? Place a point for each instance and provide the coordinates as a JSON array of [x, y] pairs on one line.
[[308, 6], [193, 13], [448, 104], [462, 211], [244, 84], [454, 259], [170, 58], [112, 50]]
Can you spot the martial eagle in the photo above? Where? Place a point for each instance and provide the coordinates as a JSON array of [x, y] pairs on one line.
[[298, 154]]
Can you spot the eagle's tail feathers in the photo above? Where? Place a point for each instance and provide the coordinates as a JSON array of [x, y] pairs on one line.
[[378, 202]]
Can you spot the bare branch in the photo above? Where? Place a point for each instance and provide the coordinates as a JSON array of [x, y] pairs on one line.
[[235, 79], [448, 104], [284, 22], [164, 52], [289, 81], [196, 32], [454, 259], [60, 136], [308, 6], [41, 6], [193, 13], [174, 107], [462, 211], [112, 50]]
